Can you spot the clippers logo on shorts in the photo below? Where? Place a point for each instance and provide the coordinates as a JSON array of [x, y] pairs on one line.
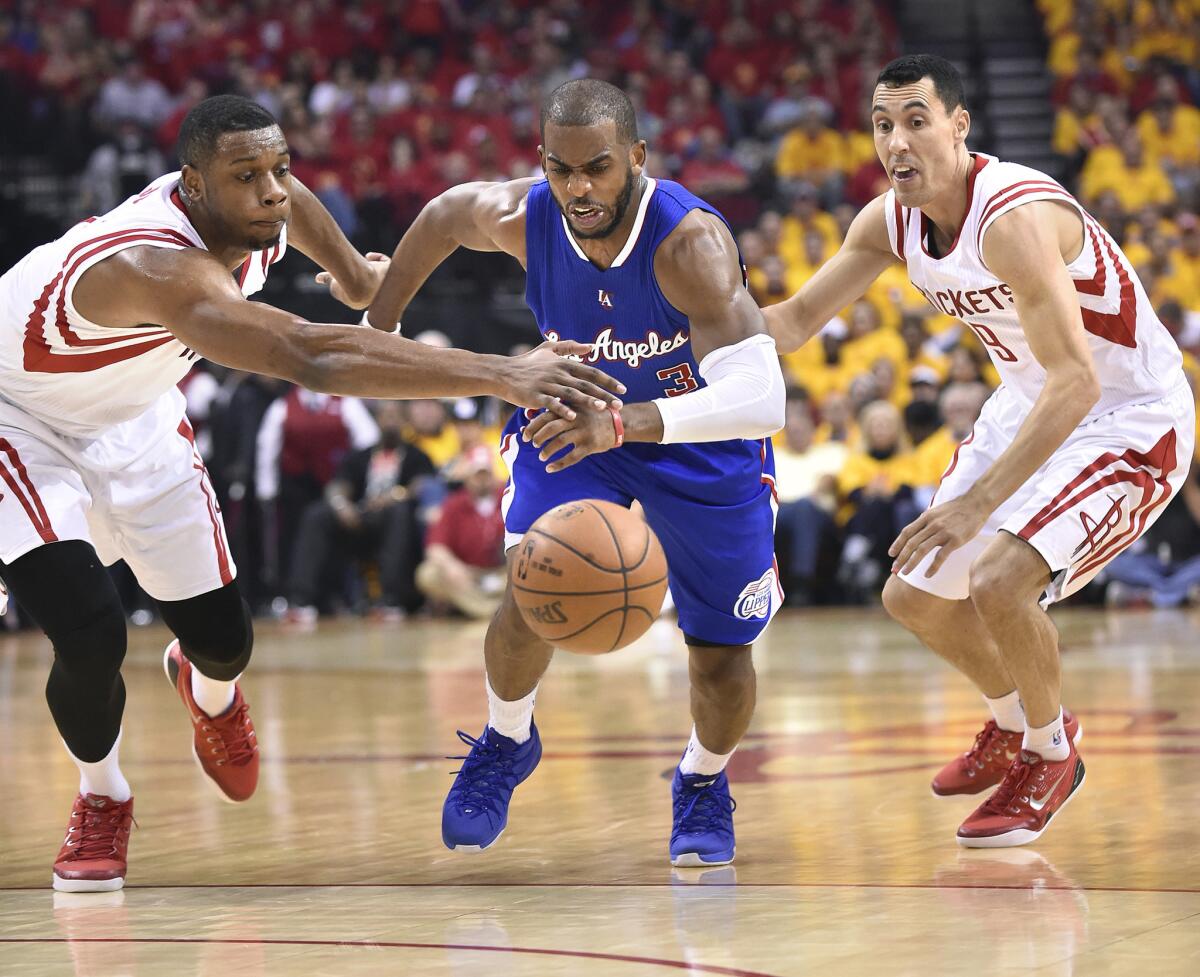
[[755, 599]]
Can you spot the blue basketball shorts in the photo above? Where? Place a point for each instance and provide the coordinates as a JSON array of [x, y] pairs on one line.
[[719, 545]]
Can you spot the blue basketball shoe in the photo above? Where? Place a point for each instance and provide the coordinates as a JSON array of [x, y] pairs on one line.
[[703, 812], [476, 810]]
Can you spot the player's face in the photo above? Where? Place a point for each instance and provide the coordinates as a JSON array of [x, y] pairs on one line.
[[592, 175], [917, 139], [247, 185]]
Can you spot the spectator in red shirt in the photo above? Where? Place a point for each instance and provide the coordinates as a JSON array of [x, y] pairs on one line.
[[464, 550]]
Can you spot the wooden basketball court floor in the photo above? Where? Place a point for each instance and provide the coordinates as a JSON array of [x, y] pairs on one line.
[[847, 865]]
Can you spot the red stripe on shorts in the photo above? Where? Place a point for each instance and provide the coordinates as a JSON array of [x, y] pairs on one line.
[[35, 510], [185, 429]]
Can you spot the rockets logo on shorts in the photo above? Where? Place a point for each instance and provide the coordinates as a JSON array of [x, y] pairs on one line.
[[755, 599]]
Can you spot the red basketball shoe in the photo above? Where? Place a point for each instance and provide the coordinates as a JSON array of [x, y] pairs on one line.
[[985, 764], [1032, 792], [225, 746], [94, 854]]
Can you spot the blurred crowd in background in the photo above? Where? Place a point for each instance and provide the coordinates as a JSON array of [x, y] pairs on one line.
[[760, 106]]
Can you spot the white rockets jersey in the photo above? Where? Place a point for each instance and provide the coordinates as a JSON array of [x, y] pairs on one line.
[[1136, 359], [72, 374]]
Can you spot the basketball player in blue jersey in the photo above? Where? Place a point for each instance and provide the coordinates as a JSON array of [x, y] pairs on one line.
[[650, 275]]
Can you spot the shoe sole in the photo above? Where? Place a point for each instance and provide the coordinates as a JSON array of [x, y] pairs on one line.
[[87, 885], [476, 849], [691, 859], [212, 784], [1021, 836], [971, 793]]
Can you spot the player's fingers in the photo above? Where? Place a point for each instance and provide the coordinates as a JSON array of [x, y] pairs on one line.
[[324, 278], [566, 347], [557, 406], [911, 545], [583, 393], [906, 534], [554, 445], [549, 432], [377, 256], [536, 424], [919, 548], [598, 378], [947, 547], [574, 456]]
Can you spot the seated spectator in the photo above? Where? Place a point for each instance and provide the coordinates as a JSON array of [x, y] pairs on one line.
[[1170, 130], [876, 487], [959, 407], [429, 430], [464, 550], [812, 153], [303, 438], [806, 475], [1135, 179], [804, 215], [369, 512]]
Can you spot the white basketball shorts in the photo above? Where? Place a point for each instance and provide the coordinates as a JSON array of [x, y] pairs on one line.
[[1093, 497], [137, 492]]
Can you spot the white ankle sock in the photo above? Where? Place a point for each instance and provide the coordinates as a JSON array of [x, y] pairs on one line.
[[212, 696], [511, 719], [103, 777], [1049, 742], [696, 759], [1007, 711]]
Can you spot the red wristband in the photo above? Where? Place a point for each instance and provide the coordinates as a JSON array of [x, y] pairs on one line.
[[618, 426]]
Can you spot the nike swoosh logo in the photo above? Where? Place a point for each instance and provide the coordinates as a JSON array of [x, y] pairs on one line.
[[1036, 803]]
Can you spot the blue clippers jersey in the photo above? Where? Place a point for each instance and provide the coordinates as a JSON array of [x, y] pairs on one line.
[[639, 337]]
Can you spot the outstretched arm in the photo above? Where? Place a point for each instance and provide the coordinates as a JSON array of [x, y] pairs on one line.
[[1024, 249], [478, 216], [352, 278], [190, 293], [862, 258], [698, 270]]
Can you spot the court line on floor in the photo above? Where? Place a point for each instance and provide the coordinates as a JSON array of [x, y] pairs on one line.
[[682, 886], [390, 945]]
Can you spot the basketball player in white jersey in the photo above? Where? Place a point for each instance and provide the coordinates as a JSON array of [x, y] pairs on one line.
[[97, 461], [1076, 453]]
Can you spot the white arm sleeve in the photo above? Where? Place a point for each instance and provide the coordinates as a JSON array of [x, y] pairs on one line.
[[744, 396]]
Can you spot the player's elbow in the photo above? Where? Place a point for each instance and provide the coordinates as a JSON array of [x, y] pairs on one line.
[[1078, 388]]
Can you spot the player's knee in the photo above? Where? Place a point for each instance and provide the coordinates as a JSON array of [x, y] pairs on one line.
[[90, 639], [214, 630], [721, 666], [992, 589], [903, 602]]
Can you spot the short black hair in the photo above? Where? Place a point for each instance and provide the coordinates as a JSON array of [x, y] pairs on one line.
[[909, 68], [210, 119], [588, 102]]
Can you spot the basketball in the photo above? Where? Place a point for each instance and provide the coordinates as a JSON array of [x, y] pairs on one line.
[[590, 577]]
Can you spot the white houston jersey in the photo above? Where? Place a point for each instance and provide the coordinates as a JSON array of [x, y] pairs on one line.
[[1136, 359], [74, 375]]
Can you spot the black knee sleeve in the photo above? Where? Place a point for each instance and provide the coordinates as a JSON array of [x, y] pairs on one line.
[[68, 592], [214, 630]]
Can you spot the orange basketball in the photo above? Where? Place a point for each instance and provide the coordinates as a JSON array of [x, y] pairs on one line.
[[590, 576]]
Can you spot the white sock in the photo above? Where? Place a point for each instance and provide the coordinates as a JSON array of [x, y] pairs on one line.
[[1007, 711], [696, 759], [212, 696], [1049, 742], [103, 777], [511, 719]]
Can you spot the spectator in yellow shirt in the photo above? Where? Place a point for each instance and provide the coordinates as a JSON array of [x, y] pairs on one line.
[[806, 473], [1136, 180], [1169, 130], [1188, 254], [805, 217], [876, 484], [812, 153], [960, 404]]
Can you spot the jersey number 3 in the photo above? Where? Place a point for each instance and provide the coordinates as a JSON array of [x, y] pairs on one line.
[[681, 378]]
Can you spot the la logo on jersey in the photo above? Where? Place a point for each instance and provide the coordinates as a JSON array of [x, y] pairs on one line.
[[755, 599], [605, 298]]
